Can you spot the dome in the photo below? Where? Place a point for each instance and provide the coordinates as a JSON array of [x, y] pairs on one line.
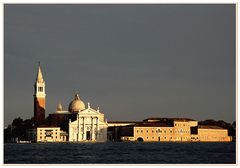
[[76, 105], [59, 107]]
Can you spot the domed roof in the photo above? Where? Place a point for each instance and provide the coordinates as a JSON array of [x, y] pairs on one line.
[[76, 105], [59, 107]]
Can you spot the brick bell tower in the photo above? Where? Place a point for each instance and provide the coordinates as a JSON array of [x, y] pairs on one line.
[[39, 98]]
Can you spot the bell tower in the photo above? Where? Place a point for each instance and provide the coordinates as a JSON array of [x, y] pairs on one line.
[[39, 97]]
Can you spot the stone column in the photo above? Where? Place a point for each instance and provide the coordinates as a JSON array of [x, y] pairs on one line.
[[84, 134], [98, 134], [92, 136], [78, 135]]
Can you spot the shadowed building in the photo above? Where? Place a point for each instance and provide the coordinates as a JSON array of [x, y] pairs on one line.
[[60, 118]]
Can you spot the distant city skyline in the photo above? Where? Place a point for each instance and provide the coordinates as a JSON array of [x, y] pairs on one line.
[[133, 61]]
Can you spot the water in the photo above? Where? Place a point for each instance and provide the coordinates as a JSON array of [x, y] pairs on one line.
[[120, 153]]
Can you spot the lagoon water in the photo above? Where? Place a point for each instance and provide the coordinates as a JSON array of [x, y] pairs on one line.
[[120, 153]]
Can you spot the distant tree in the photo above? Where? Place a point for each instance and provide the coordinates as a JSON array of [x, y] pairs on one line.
[[19, 128], [28, 123], [8, 133], [17, 122], [234, 124]]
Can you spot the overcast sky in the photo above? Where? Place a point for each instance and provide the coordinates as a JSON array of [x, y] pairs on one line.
[[133, 61]]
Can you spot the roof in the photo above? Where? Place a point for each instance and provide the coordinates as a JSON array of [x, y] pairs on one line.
[[62, 112], [39, 74], [209, 127], [175, 119], [124, 121], [46, 126], [183, 119], [152, 124]]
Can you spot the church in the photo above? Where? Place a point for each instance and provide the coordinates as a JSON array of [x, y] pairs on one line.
[[78, 124], [89, 125]]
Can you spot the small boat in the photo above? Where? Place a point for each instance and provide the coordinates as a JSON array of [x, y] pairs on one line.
[[23, 141]]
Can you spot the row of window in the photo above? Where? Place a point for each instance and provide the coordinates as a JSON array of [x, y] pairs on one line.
[[41, 130], [47, 132], [170, 138], [180, 124], [164, 131], [41, 137], [194, 138], [212, 137], [157, 131], [182, 131]]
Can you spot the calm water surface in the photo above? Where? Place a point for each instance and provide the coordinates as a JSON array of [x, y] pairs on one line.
[[120, 152]]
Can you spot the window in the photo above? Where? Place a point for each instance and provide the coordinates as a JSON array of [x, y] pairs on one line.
[[147, 137], [137, 131], [152, 137], [141, 130], [152, 131], [146, 130], [40, 89]]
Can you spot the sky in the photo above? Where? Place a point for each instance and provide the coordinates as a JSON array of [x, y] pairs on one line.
[[133, 61]]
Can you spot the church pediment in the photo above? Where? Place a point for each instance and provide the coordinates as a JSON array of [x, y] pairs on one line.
[[89, 111]]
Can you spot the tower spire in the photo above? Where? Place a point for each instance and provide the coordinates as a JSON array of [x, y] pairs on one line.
[[39, 74]]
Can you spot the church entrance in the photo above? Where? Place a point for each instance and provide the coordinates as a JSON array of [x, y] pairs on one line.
[[88, 135]]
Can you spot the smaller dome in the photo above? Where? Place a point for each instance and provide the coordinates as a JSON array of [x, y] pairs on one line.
[[59, 107], [76, 105]]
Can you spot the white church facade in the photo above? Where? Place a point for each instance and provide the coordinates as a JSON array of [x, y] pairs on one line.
[[90, 124]]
